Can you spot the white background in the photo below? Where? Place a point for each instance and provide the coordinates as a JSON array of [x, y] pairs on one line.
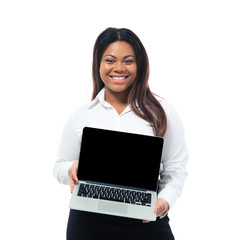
[[45, 72]]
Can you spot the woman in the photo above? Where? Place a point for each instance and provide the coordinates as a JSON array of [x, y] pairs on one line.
[[122, 101]]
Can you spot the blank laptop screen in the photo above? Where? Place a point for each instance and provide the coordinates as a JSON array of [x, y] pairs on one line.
[[120, 158]]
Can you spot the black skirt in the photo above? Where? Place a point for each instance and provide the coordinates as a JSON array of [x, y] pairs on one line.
[[88, 226]]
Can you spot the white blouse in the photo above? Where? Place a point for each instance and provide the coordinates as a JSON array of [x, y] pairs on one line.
[[100, 114]]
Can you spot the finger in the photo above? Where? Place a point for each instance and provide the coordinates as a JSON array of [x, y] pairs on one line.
[[160, 208], [71, 186], [160, 211], [73, 179], [74, 171], [73, 176], [163, 214], [146, 221], [71, 183]]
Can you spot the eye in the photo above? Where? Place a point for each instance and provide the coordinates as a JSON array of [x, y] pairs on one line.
[[129, 61], [109, 61]]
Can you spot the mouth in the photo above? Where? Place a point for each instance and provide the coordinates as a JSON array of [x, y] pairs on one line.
[[119, 78]]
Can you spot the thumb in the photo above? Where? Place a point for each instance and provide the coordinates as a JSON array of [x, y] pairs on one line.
[[162, 206], [71, 187], [71, 183]]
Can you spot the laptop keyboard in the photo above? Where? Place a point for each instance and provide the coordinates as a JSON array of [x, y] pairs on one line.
[[115, 194]]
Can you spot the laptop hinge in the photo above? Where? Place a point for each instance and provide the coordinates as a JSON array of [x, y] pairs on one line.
[[115, 185]]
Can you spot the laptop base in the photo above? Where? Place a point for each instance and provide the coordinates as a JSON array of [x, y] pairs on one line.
[[112, 207]]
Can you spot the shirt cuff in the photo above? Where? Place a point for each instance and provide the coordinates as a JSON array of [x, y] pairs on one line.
[[61, 172], [169, 195]]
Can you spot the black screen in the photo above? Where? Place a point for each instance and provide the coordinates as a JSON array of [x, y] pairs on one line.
[[120, 158]]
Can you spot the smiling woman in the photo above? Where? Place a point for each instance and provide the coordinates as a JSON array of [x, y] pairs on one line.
[[118, 71], [122, 101], [119, 53]]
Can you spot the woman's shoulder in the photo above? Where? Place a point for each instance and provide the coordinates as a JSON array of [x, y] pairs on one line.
[[167, 106], [173, 118], [78, 116], [80, 112]]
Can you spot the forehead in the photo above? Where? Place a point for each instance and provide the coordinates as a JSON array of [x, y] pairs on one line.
[[119, 49]]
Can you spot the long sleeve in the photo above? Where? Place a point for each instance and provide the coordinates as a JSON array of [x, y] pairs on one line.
[[98, 114], [68, 151], [174, 159]]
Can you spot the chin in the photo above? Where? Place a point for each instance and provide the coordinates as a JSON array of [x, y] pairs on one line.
[[119, 89]]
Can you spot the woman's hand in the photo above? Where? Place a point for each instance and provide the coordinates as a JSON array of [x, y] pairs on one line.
[[162, 207], [73, 179]]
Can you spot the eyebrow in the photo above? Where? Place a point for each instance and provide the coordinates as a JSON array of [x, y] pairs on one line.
[[116, 57]]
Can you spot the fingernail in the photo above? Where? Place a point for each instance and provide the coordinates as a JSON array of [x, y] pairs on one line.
[[158, 210], [74, 181]]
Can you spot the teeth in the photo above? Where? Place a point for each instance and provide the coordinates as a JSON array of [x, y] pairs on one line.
[[118, 78]]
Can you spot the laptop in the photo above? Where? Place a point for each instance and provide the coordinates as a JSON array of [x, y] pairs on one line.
[[118, 174]]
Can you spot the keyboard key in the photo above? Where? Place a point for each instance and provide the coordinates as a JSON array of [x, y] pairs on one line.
[[115, 194]]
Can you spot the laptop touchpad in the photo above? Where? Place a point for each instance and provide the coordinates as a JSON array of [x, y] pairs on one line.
[[112, 207]]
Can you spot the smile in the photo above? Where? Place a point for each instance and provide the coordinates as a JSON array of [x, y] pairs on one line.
[[119, 78]]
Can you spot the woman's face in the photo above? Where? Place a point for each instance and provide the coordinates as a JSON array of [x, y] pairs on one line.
[[118, 67]]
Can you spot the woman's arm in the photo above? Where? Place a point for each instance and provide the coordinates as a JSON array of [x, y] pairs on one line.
[[68, 151], [174, 159]]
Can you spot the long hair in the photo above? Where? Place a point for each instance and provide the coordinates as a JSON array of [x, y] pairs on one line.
[[142, 101]]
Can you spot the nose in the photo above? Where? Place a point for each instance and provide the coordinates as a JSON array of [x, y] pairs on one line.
[[119, 67]]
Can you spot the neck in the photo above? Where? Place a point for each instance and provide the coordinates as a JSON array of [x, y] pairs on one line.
[[118, 100]]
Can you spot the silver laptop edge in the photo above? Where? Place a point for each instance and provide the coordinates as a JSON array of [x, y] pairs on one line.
[[136, 169], [113, 208]]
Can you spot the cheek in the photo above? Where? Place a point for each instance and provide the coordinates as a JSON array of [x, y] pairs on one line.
[[101, 71], [134, 72], [104, 70], [102, 76]]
